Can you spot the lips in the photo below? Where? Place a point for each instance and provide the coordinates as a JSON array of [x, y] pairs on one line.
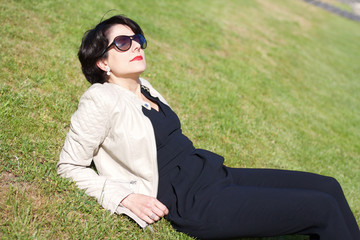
[[137, 58]]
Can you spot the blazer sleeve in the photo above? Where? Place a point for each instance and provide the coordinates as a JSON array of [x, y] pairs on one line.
[[88, 129]]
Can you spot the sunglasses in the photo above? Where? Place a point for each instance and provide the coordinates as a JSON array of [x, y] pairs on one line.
[[123, 43]]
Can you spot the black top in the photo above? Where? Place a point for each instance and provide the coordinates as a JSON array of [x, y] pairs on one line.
[[188, 177]]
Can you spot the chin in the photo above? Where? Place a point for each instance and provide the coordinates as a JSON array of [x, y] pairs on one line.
[[140, 69], [139, 72]]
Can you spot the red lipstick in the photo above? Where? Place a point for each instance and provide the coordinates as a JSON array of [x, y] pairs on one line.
[[137, 58]]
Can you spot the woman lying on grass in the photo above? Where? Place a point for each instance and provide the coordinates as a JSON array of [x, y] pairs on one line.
[[147, 169]]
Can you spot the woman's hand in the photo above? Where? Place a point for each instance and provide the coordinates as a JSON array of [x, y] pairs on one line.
[[147, 208]]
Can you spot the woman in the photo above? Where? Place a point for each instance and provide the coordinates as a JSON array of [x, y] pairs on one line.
[[147, 169]]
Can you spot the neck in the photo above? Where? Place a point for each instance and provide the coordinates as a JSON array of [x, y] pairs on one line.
[[132, 84]]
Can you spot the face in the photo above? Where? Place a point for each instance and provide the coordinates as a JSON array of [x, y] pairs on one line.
[[124, 64]]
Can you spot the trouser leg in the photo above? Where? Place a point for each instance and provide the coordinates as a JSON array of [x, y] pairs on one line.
[[301, 180], [239, 211], [298, 180], [275, 202]]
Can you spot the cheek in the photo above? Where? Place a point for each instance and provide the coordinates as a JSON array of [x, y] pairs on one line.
[[144, 60], [122, 57], [119, 61]]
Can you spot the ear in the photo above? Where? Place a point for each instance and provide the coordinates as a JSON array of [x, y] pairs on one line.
[[101, 63]]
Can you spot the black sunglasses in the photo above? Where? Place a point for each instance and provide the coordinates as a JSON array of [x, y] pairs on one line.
[[123, 43]]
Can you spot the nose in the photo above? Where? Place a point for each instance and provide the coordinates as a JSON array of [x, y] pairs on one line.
[[135, 46]]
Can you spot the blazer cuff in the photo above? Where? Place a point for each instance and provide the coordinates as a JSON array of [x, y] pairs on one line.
[[123, 210]]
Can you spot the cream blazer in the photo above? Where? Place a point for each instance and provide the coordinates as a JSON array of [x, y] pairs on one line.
[[110, 129]]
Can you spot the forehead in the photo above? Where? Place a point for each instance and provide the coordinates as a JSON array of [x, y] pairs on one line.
[[117, 30]]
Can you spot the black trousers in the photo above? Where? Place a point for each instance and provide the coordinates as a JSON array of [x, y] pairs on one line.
[[266, 202]]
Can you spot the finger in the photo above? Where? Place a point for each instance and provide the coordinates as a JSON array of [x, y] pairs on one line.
[[154, 217], [158, 212], [147, 219], [162, 207]]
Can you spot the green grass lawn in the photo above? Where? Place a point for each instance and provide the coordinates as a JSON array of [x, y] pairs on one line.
[[266, 84]]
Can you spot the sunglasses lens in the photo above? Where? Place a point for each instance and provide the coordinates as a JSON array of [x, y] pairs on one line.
[[123, 43], [141, 40]]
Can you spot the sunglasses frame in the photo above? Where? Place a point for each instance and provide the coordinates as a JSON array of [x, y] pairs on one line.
[[132, 38]]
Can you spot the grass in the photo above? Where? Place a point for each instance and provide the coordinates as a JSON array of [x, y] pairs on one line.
[[264, 83]]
